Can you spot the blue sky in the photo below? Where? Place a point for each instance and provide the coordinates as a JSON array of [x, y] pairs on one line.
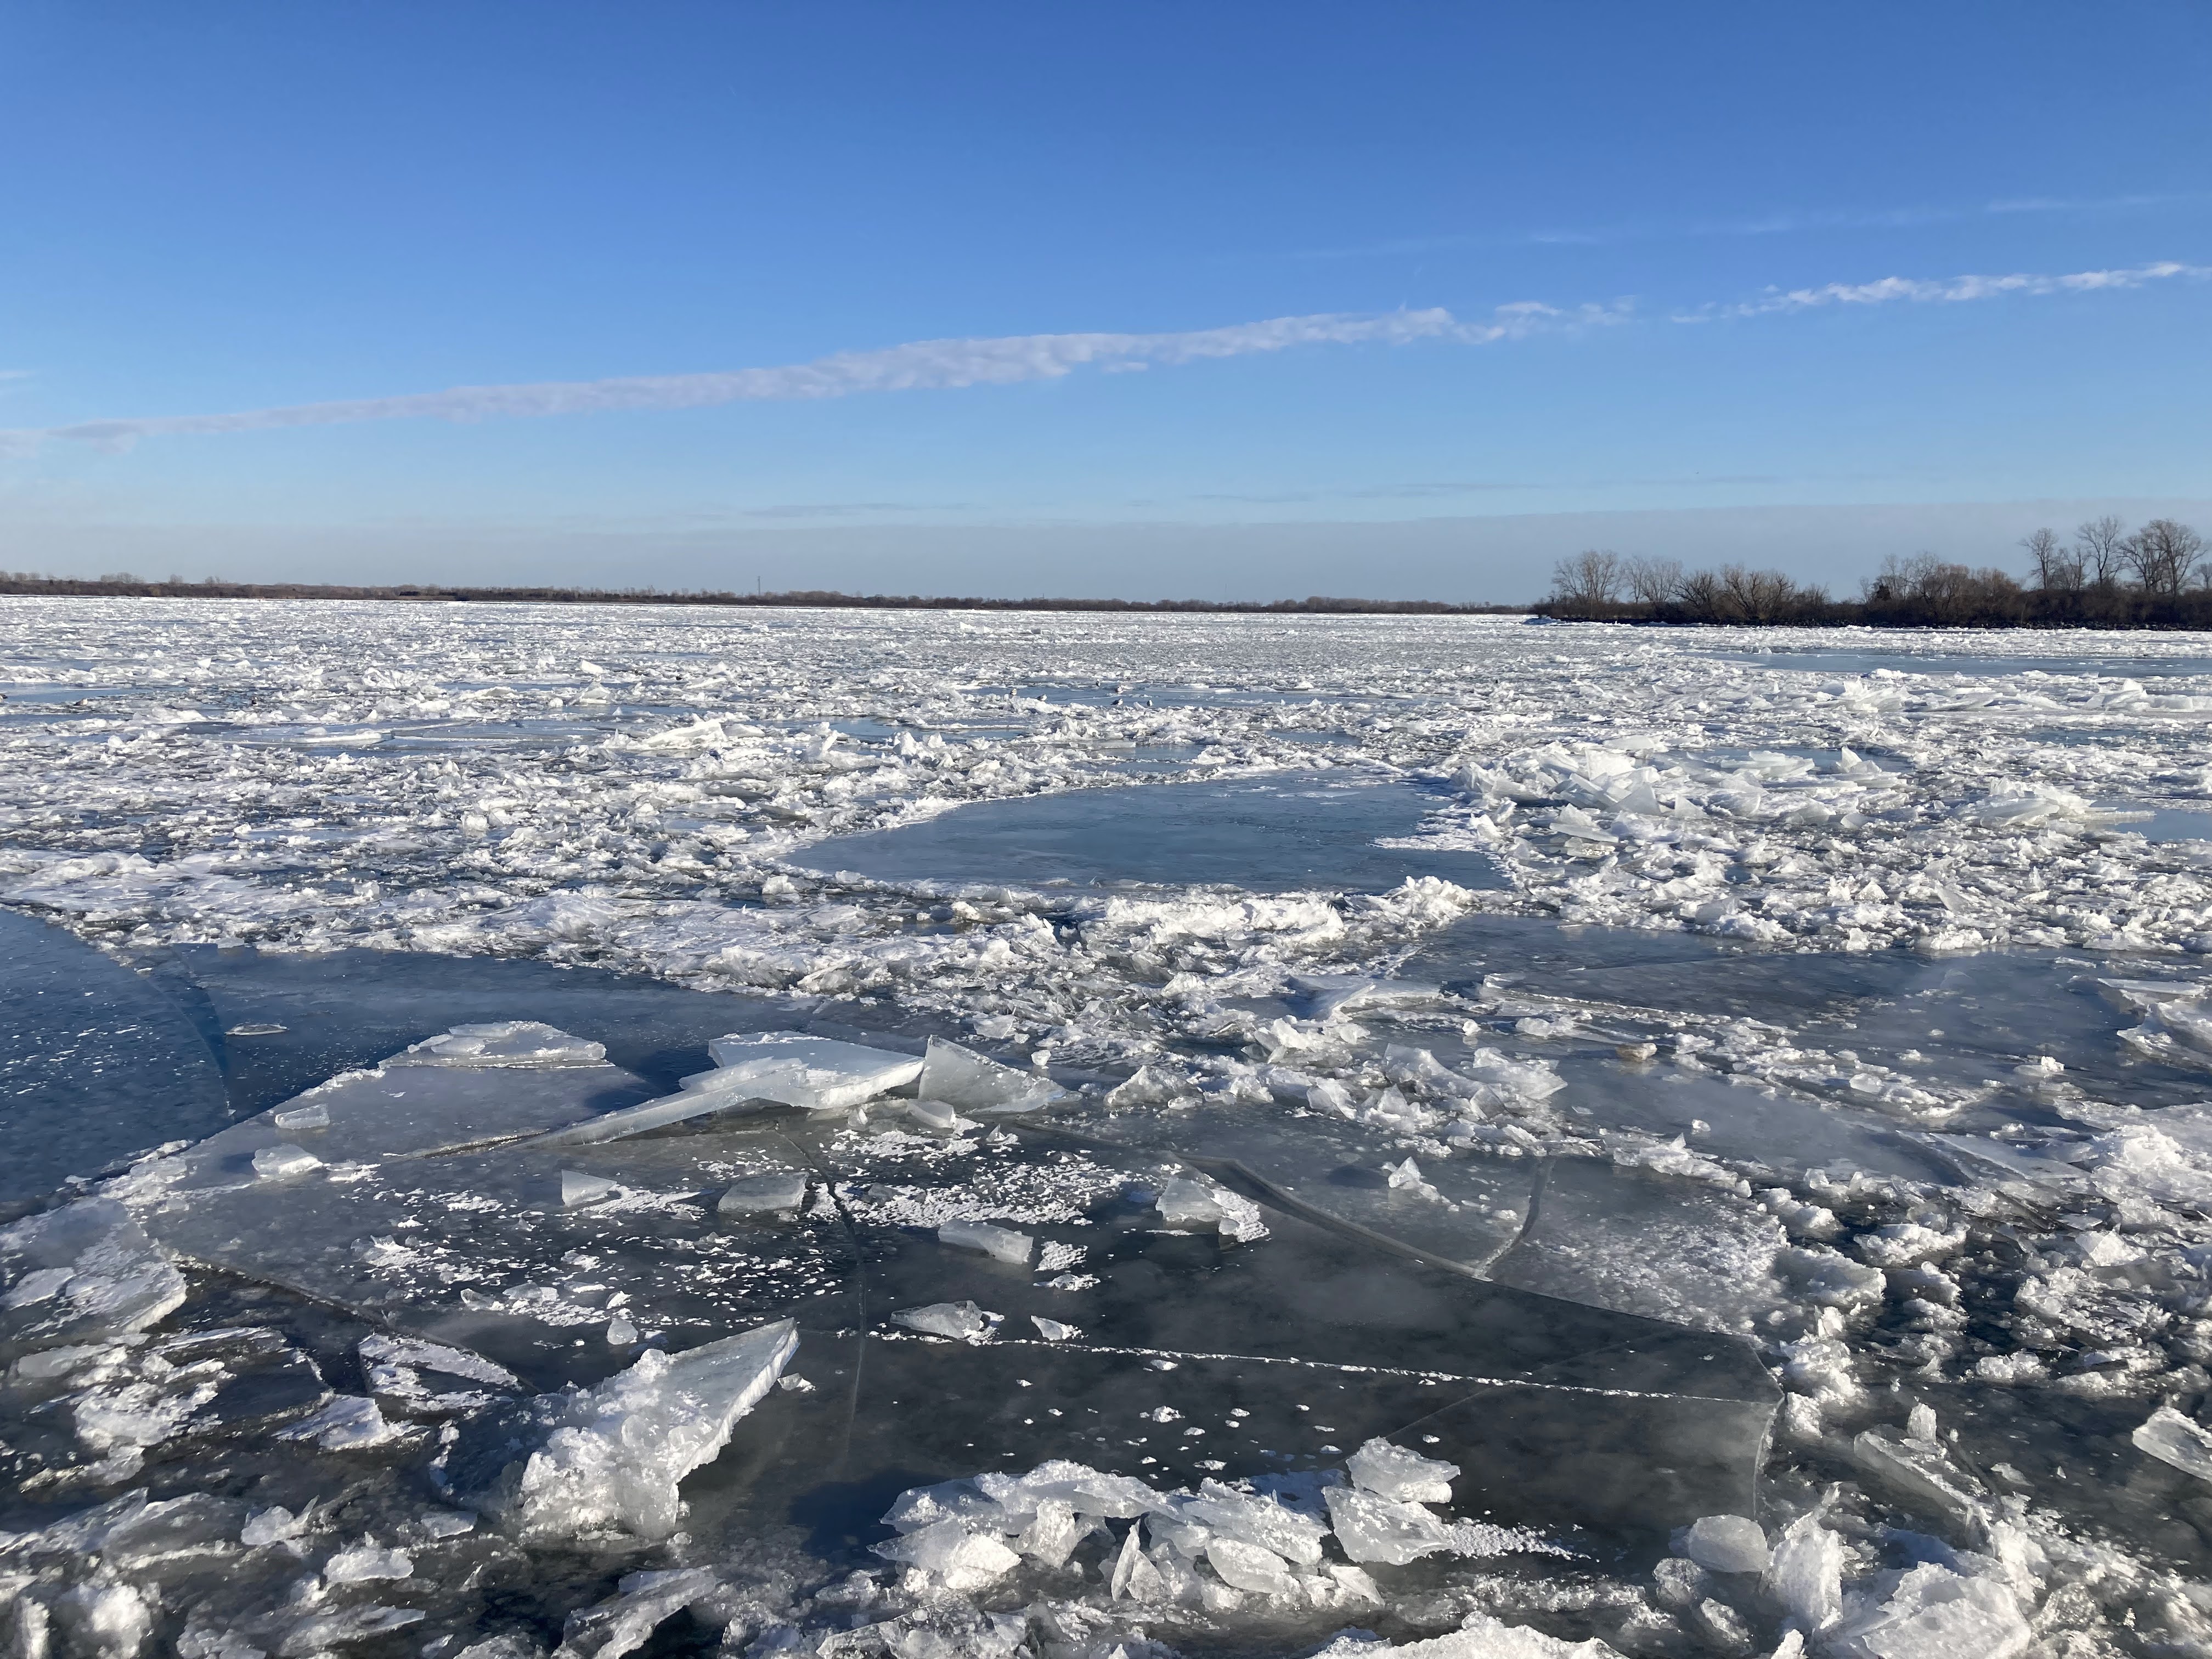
[[236, 209]]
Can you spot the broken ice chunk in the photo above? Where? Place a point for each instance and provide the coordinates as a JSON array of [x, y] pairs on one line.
[[1248, 1567], [349, 1423], [1185, 1201], [284, 1161], [1727, 1543], [1052, 1330], [1805, 1575], [1933, 1614], [2172, 1438], [1054, 1534], [1324, 996], [612, 1456], [577, 1188], [620, 1624], [960, 1077], [524, 1043], [962, 1560], [302, 1117], [776, 1190], [786, 1067], [1003, 1243], [936, 1115], [1371, 1528], [621, 1332], [1261, 1521], [272, 1526], [963, 1321], [818, 1073], [364, 1561], [1391, 1471], [83, 1273]]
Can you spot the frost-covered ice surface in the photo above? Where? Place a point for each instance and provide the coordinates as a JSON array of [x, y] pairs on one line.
[[1267, 1135]]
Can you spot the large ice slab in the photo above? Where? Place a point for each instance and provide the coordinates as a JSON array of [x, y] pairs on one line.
[[411, 1107], [96, 1063]]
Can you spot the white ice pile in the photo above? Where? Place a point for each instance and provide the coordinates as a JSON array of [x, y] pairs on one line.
[[1213, 1549]]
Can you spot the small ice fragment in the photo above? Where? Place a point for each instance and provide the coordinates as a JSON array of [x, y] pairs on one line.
[[1637, 1053], [620, 1332], [255, 1028], [1071, 1282], [364, 1561], [449, 1523], [1406, 1477], [577, 1188], [962, 1320], [2172, 1438], [1727, 1543], [303, 1117], [1052, 1330], [1920, 1424], [284, 1161], [777, 1190], [2044, 1066], [960, 1077], [271, 1526], [1002, 1243], [936, 1115], [792, 1383]]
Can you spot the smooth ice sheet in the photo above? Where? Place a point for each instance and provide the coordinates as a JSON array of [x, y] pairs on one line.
[[1271, 834]]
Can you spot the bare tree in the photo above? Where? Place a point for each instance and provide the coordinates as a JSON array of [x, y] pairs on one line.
[[2058, 569], [1759, 596], [2162, 555], [2098, 544], [1588, 581], [1699, 595], [1654, 581]]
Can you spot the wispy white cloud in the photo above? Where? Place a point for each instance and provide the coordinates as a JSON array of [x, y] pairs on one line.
[[1781, 222], [1010, 360], [1949, 290], [923, 365]]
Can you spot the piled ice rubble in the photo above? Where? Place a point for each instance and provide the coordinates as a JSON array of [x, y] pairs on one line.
[[1211, 1550]]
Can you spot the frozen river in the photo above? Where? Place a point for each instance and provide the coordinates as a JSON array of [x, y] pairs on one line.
[[670, 1131]]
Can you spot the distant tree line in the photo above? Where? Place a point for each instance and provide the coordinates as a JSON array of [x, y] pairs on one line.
[[2158, 577], [125, 586]]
